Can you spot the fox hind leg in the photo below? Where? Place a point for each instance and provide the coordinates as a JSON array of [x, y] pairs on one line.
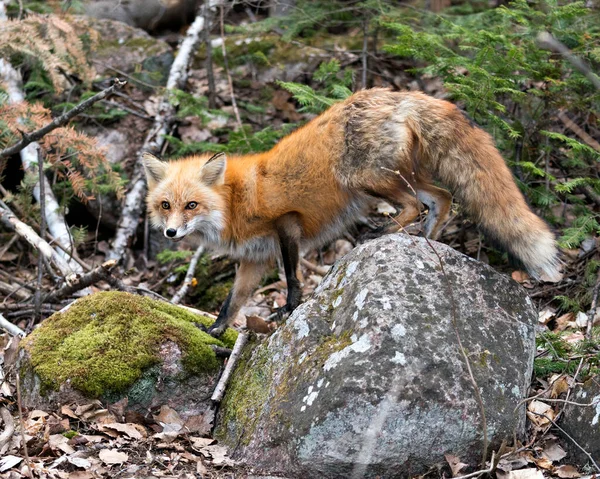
[[410, 210], [438, 201]]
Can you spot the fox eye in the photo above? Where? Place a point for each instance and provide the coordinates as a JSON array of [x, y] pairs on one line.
[[191, 205], [165, 205]]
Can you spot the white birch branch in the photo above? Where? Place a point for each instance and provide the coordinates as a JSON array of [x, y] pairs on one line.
[[189, 276], [240, 342], [10, 328], [29, 157], [155, 140], [28, 234]]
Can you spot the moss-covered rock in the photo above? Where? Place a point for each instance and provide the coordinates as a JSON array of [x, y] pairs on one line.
[[111, 345]]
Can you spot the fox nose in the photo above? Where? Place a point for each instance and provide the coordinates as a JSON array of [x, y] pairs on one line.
[[171, 232]]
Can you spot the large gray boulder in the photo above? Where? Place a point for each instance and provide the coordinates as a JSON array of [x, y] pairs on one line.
[[366, 378]]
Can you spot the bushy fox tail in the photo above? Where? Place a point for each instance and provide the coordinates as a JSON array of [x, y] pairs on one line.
[[483, 184]]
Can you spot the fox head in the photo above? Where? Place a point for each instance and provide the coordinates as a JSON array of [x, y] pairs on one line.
[[185, 196]]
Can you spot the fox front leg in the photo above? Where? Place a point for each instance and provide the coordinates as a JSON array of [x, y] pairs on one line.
[[247, 279], [289, 236]]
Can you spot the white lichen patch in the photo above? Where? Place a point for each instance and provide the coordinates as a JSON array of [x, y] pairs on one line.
[[399, 358], [419, 264], [596, 402], [351, 268], [320, 382], [398, 332], [359, 346], [516, 391], [302, 327], [310, 397], [360, 299], [337, 301]]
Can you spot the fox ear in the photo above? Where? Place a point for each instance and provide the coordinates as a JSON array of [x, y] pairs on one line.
[[213, 171], [155, 168]]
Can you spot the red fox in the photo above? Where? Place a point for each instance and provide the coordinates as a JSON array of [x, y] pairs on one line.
[[316, 182]]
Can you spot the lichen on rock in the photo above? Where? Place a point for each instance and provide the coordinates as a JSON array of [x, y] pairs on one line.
[[105, 342]]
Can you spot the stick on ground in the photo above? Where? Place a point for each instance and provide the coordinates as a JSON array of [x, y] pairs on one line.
[[219, 391], [10, 327], [189, 276], [101, 273], [26, 232]]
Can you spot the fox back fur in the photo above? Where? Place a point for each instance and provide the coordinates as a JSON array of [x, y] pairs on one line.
[[316, 182]]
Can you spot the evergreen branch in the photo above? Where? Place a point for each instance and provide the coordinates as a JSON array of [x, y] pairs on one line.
[[28, 138]]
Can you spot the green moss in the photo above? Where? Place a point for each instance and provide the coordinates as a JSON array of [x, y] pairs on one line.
[[248, 391], [104, 342], [70, 434]]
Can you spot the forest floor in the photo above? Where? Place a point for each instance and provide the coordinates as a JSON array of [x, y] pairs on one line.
[[101, 440]]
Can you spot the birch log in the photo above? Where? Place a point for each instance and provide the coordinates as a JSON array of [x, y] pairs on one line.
[[29, 157], [155, 140]]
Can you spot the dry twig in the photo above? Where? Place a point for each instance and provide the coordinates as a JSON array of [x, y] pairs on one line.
[[189, 276], [26, 232], [240, 342], [100, 273], [10, 327], [61, 120]]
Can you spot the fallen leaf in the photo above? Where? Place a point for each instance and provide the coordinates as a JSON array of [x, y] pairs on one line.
[[201, 424], [560, 384], [455, 465], [81, 462], [543, 463], [581, 319], [36, 413], [519, 276], [134, 431], [59, 442], [554, 452], [536, 412], [545, 316], [67, 411], [8, 462], [112, 456], [218, 455], [562, 322], [567, 472], [118, 408], [200, 442], [168, 415], [169, 433], [258, 325], [525, 474]]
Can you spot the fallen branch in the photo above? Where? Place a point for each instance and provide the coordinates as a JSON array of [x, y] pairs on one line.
[[26, 232], [10, 327], [101, 273], [155, 140], [240, 342], [29, 157], [61, 120], [189, 276]]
